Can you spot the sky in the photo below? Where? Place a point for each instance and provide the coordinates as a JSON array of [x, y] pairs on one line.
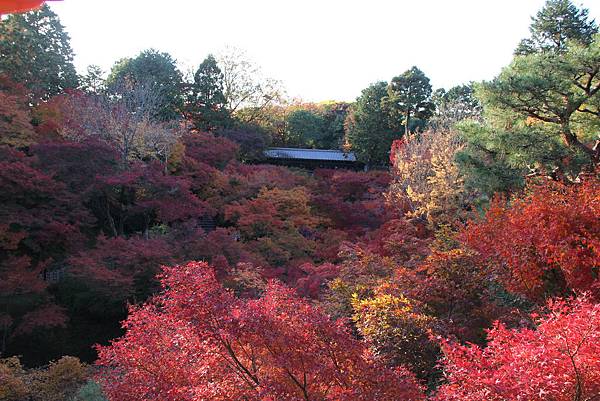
[[320, 49]]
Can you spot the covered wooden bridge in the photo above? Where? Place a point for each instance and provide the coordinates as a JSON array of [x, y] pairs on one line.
[[312, 158]]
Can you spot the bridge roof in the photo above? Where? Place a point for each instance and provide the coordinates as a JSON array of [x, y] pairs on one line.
[[310, 154]]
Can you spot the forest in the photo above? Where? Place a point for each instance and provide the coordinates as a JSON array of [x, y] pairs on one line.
[[148, 251]]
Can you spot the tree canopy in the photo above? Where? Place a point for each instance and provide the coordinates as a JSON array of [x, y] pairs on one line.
[[370, 130], [559, 22], [35, 51], [541, 113], [409, 99], [156, 72], [206, 103]]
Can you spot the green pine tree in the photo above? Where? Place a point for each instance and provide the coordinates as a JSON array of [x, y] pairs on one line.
[[554, 25], [93, 81], [409, 98], [206, 105]]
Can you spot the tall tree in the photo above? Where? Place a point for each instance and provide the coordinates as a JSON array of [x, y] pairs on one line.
[[127, 122], [541, 114], [154, 71], [252, 140], [409, 97], [206, 104], [93, 81], [245, 86], [496, 160], [554, 25], [369, 129], [454, 105], [557, 94], [334, 114], [35, 51], [426, 181]]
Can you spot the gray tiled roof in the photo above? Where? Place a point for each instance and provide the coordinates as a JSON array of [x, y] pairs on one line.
[[310, 154]]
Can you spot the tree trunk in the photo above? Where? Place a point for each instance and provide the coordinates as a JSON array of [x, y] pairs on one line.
[[5, 330], [111, 221], [573, 142], [146, 228]]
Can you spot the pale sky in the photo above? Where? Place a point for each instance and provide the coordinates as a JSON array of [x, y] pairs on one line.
[[319, 49]]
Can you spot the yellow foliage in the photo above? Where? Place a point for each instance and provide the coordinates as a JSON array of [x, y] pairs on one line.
[[396, 331], [428, 179], [383, 312], [176, 156], [12, 386], [61, 378], [361, 272], [56, 383], [445, 239]]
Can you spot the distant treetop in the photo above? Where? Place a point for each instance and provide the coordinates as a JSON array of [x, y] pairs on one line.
[[554, 25]]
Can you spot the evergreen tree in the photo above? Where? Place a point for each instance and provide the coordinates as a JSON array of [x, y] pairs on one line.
[[556, 96], [206, 102], [93, 81], [305, 128], [542, 113], [35, 51], [155, 72], [554, 25], [334, 114], [409, 97], [369, 129]]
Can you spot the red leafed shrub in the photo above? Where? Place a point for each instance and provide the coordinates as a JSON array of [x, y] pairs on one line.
[[15, 120], [314, 278], [36, 206], [558, 361], [72, 114], [329, 241], [206, 148], [40, 222], [549, 241], [170, 197], [453, 287], [402, 240], [351, 185], [138, 198], [248, 179], [219, 245], [352, 201], [198, 341], [77, 164]]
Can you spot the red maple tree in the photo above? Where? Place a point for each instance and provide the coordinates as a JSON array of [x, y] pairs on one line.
[[549, 241], [198, 341], [40, 222], [15, 119], [556, 361]]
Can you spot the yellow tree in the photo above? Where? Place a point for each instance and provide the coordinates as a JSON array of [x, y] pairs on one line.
[[427, 182]]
